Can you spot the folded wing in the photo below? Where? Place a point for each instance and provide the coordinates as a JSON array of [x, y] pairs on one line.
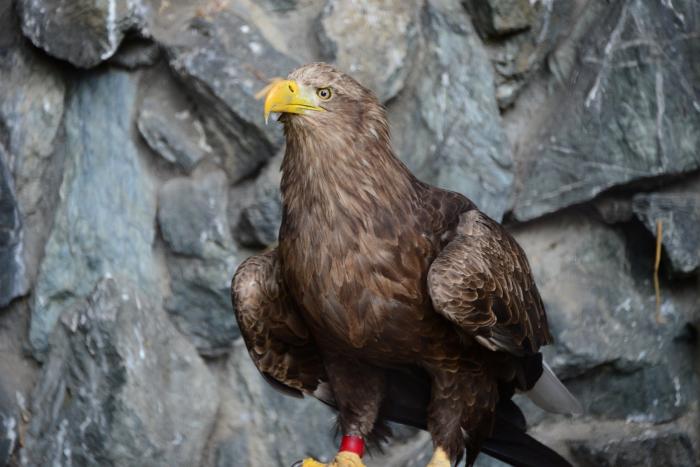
[[277, 339], [482, 282]]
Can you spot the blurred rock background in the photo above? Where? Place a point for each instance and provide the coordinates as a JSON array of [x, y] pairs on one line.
[[136, 173]]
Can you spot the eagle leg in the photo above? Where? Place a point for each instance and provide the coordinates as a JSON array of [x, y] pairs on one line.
[[460, 413], [358, 389]]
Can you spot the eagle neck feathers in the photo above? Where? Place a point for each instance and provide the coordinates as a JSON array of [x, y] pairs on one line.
[[331, 177]]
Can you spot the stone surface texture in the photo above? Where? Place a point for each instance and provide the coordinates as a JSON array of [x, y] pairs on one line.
[[678, 210], [494, 18], [258, 208], [446, 123], [9, 426], [104, 223], [192, 219], [31, 108], [13, 281], [225, 61], [171, 126], [125, 387], [388, 39], [603, 320], [83, 32], [627, 111], [665, 449], [136, 173]]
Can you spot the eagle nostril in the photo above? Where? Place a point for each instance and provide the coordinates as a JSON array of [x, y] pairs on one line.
[[291, 88]]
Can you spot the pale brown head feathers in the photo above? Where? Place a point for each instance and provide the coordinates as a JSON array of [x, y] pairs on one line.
[[349, 108], [339, 153]]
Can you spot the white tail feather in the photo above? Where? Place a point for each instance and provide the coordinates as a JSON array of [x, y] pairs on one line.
[[550, 394]]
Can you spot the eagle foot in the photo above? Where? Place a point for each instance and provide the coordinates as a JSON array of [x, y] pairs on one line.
[[308, 462], [439, 459], [342, 459]]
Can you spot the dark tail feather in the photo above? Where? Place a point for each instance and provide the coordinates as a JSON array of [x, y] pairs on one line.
[[508, 412], [408, 396], [512, 445]]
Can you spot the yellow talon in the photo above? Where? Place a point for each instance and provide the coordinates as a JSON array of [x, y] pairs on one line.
[[439, 459], [311, 463], [347, 459], [342, 459]]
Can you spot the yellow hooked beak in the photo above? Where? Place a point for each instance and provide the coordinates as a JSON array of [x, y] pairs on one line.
[[286, 96]]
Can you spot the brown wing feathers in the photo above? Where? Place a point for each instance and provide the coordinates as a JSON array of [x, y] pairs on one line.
[[277, 339], [482, 282]]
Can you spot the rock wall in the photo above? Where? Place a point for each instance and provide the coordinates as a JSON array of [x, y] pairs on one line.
[[136, 173]]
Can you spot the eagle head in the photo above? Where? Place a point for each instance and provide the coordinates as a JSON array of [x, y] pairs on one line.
[[319, 96]]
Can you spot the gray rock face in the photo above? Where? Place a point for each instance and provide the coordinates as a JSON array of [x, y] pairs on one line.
[[680, 215], [518, 56], [192, 214], [7, 438], [105, 221], [192, 218], [200, 301], [654, 449], [9, 426], [171, 126], [606, 335], [379, 57], [31, 107], [615, 209], [500, 17], [13, 281], [82, 32], [136, 53], [264, 427], [630, 113], [584, 297], [446, 125], [226, 62], [663, 391], [260, 213], [120, 387]]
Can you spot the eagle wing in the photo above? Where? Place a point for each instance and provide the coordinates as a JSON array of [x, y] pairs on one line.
[[281, 347], [482, 282], [277, 339]]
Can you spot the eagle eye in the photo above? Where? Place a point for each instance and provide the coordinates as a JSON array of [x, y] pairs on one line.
[[324, 93]]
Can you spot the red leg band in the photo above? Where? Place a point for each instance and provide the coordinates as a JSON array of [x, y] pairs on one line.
[[353, 444]]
